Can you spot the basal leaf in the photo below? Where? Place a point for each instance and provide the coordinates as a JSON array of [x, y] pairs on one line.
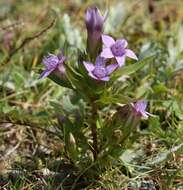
[[166, 155]]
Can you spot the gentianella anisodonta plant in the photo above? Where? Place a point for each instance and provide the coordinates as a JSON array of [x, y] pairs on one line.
[[105, 123]]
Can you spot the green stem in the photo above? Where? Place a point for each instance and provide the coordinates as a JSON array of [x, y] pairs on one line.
[[94, 131], [130, 125]]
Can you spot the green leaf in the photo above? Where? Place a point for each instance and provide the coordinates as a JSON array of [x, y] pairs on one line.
[[74, 77], [166, 155], [160, 88], [67, 105], [155, 126], [130, 69], [130, 155], [59, 81], [115, 100], [57, 107]]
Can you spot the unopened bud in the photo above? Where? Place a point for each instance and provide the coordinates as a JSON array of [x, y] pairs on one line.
[[72, 140]]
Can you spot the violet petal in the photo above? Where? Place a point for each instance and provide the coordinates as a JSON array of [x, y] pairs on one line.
[[124, 42], [131, 54], [108, 40], [89, 66], [93, 76], [105, 78], [121, 61], [144, 114], [140, 108], [106, 53], [140, 105], [100, 61], [110, 68], [105, 15], [45, 73]]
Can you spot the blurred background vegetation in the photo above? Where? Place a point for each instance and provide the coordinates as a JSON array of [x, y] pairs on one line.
[[29, 141]]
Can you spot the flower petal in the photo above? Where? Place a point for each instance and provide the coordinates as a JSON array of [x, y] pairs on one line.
[[123, 42], [145, 115], [45, 73], [88, 15], [50, 61], [110, 68], [93, 76], [107, 40], [140, 106], [104, 78], [106, 53], [121, 61], [89, 66], [149, 114], [131, 54], [105, 15], [100, 61]]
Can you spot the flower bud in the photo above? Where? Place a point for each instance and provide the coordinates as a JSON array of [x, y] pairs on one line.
[[71, 147], [72, 141], [94, 24]]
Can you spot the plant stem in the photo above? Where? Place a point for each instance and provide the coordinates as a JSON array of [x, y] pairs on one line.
[[94, 131]]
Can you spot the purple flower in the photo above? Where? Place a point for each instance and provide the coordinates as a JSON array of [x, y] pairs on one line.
[[116, 49], [139, 109], [53, 63], [99, 71], [94, 24]]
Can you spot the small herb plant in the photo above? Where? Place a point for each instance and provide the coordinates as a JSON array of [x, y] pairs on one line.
[[104, 124]]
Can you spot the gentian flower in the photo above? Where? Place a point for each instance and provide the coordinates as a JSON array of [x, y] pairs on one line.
[[94, 23], [139, 109], [53, 63], [116, 49], [99, 71]]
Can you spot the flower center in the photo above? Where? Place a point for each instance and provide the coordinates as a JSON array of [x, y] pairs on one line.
[[118, 48], [99, 72]]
